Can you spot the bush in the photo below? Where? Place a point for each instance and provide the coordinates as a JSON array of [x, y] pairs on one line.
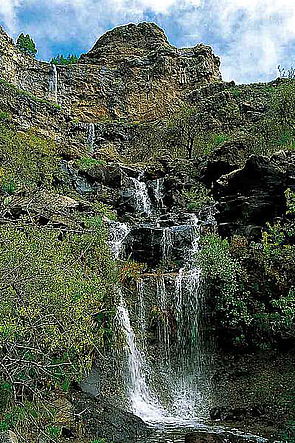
[[52, 293], [85, 163], [27, 160], [251, 286]]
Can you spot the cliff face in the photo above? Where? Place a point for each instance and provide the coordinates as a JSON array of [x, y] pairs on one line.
[[132, 72]]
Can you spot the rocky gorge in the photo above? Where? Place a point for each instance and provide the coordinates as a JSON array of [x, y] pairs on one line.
[[147, 229]]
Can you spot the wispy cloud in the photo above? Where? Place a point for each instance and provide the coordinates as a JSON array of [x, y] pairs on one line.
[[251, 36]]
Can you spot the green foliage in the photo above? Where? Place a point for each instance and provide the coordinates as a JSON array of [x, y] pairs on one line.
[[252, 286], [51, 290], [54, 431], [283, 104], [85, 163], [26, 44], [27, 160], [224, 273], [104, 210], [236, 92], [197, 198], [8, 186], [5, 116], [290, 200], [62, 60]]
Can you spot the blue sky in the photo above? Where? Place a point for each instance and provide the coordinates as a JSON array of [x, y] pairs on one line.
[[252, 37]]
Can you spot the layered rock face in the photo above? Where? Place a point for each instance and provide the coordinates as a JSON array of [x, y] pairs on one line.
[[132, 72]]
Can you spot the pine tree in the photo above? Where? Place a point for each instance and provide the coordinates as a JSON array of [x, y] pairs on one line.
[[26, 44]]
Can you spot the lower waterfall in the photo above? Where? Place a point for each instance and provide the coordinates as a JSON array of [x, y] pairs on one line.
[[166, 381]]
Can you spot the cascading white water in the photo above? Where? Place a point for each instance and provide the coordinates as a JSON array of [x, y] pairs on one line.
[[142, 400], [159, 192], [163, 324], [91, 136], [142, 199], [53, 83], [167, 243], [117, 234]]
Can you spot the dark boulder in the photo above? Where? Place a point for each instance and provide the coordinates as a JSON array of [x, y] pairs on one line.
[[253, 195], [203, 437], [103, 420], [225, 159]]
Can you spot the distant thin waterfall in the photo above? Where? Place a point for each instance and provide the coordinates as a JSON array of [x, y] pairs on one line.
[[53, 83], [159, 192], [91, 136]]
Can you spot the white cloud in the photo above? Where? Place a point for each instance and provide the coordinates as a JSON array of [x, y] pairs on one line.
[[251, 36], [8, 13]]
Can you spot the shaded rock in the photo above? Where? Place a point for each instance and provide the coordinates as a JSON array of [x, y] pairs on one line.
[[206, 437], [102, 420], [227, 158], [251, 196]]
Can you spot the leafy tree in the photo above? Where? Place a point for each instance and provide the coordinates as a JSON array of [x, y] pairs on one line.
[[26, 44], [186, 125], [62, 60]]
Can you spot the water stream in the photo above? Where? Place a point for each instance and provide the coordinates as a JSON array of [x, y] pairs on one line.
[[167, 371]]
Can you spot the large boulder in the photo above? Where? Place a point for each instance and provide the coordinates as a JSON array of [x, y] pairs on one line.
[[253, 195], [102, 420]]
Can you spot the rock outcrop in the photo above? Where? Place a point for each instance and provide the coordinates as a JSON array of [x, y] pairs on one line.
[[254, 194], [132, 72]]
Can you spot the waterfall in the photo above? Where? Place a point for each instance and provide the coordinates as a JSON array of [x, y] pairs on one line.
[[163, 323], [159, 192], [117, 234], [142, 199], [142, 400], [91, 136], [53, 83], [166, 364], [167, 243]]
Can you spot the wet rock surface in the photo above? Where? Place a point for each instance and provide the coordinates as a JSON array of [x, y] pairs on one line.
[[102, 420]]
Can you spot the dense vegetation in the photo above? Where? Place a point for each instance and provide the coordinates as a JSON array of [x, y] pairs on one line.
[[56, 288], [252, 285]]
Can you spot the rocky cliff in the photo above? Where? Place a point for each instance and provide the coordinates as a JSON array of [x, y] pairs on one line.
[[132, 72]]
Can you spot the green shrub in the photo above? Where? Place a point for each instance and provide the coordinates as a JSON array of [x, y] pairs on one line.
[[50, 291], [27, 162], [5, 116], [86, 163], [197, 198]]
